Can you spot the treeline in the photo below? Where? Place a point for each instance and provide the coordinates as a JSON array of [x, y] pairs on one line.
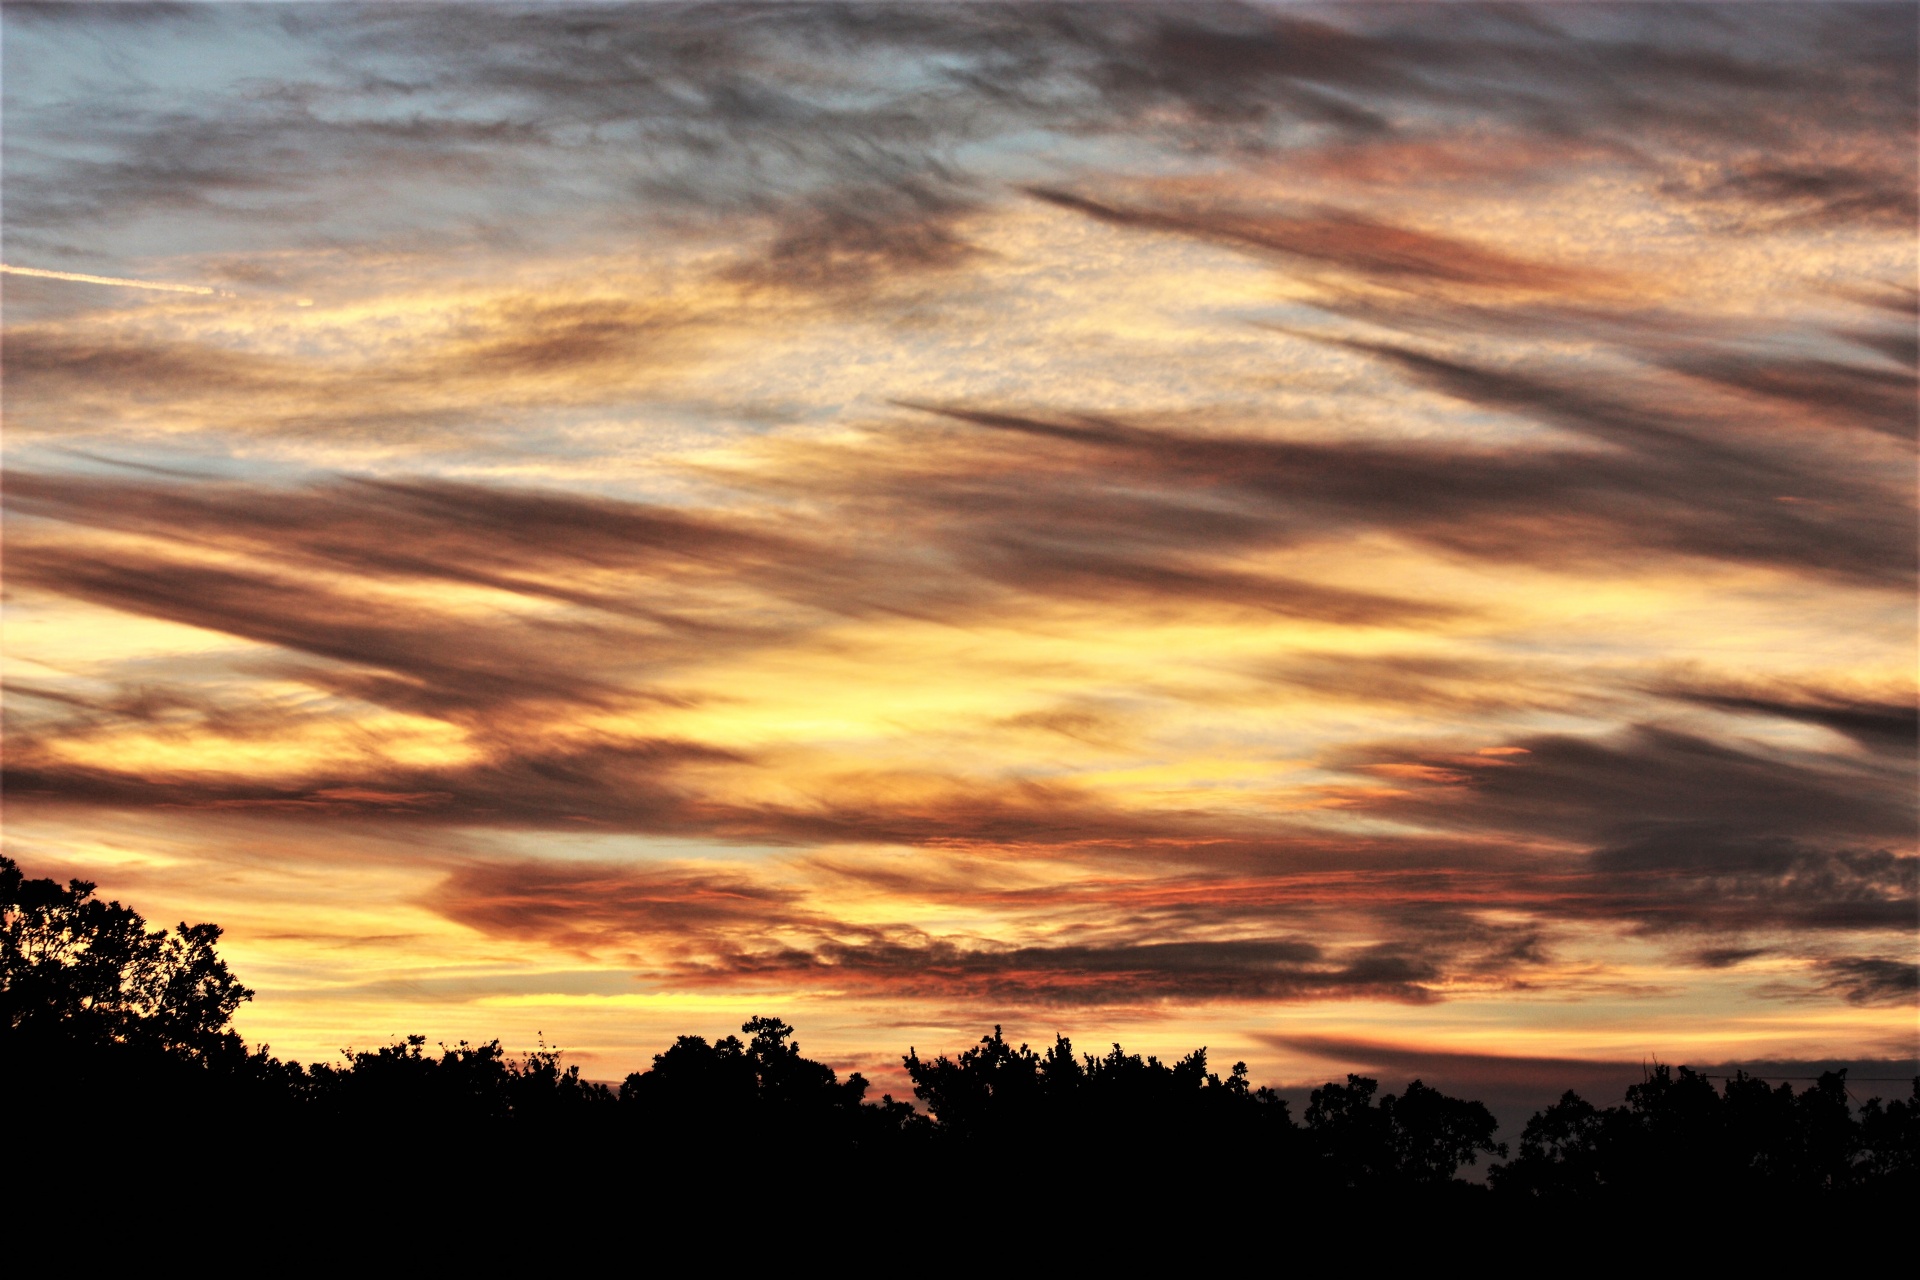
[[111, 1032]]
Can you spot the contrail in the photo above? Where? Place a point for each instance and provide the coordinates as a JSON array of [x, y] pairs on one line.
[[81, 278]]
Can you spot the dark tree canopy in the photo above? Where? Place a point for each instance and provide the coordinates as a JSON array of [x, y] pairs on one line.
[[997, 1095], [77, 968], [117, 1037], [1421, 1137], [1675, 1126]]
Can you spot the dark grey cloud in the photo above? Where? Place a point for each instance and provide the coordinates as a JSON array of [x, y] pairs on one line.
[[1599, 789], [578, 905], [1679, 880], [1281, 945], [1694, 482], [853, 239], [1859, 396], [625, 785], [716, 926], [1254, 969], [1663, 483], [161, 706], [1902, 346], [208, 163], [1902, 300], [1871, 980], [1878, 725], [523, 540], [1689, 835], [1783, 196], [989, 538], [1727, 957], [456, 667]]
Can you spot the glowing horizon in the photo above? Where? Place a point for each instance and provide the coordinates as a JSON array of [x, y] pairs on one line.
[[1337, 534]]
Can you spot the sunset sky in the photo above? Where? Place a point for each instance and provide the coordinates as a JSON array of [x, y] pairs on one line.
[[1360, 537]]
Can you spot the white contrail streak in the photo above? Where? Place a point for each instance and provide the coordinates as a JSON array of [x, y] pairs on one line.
[[122, 281]]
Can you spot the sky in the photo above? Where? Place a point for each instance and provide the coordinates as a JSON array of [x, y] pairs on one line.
[[1362, 537]]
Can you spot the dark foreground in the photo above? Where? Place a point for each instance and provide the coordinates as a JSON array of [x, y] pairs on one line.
[[124, 1084]]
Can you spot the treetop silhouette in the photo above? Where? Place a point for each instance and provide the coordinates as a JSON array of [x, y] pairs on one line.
[[78, 969], [112, 1033]]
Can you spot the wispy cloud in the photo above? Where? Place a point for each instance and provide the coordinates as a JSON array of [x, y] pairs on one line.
[[1165, 512]]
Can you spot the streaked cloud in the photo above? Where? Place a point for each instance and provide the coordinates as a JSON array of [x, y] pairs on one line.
[[1256, 523]]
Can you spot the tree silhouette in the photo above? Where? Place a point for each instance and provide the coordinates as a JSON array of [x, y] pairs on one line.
[[702, 1099], [1890, 1142], [115, 1038], [995, 1100], [1420, 1138], [1745, 1139], [1559, 1153], [78, 969]]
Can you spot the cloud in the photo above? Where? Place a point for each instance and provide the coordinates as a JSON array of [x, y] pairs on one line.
[[1223, 726], [1341, 239], [1871, 980], [1602, 1082], [1238, 63], [613, 784], [727, 926], [1567, 785], [544, 543], [1848, 395], [1661, 484], [448, 664], [455, 377], [658, 565], [1577, 787], [1782, 196], [1423, 680], [1727, 957], [1708, 491], [1685, 834], [704, 927], [70, 14], [1879, 725], [1059, 926], [582, 907], [52, 367], [862, 237], [1256, 969], [836, 124]]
